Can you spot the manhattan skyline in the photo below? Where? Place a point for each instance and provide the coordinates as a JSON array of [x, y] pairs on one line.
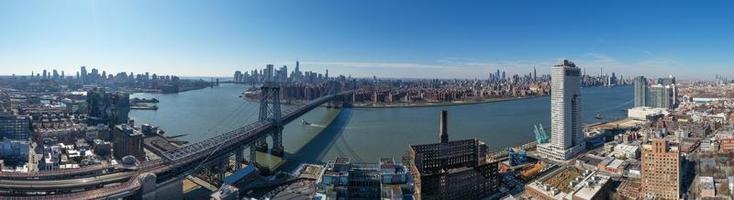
[[386, 39]]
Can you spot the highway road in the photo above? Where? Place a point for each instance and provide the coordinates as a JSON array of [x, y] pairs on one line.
[[52, 185]]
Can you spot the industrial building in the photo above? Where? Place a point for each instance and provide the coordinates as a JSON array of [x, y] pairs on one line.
[[343, 179], [453, 169]]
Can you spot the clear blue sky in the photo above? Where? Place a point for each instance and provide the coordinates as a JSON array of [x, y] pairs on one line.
[[442, 39]]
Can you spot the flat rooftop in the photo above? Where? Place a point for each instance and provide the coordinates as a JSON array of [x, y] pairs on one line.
[[562, 179], [622, 124]]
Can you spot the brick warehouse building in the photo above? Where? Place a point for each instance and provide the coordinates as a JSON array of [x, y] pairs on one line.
[[453, 169]]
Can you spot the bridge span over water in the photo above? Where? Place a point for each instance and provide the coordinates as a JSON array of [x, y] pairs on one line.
[[163, 178]]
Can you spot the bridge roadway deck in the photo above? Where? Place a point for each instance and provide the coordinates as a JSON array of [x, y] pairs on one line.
[[183, 156], [241, 136]]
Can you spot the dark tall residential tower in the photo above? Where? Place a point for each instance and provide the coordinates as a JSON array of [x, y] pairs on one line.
[[453, 169], [640, 91], [107, 108], [443, 127], [661, 95]]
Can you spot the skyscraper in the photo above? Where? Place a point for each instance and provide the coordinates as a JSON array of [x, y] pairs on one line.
[[282, 74], [296, 74], [268, 73], [640, 91], [237, 76], [297, 66], [567, 138], [83, 74]]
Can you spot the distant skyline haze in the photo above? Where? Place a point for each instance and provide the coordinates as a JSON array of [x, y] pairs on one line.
[[387, 39]]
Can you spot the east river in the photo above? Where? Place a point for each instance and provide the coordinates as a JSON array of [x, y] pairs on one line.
[[367, 134]]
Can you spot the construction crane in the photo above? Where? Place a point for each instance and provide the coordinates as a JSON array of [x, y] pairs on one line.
[[540, 136]]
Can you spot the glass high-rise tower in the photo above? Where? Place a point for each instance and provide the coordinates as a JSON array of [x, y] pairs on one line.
[[640, 91], [567, 137]]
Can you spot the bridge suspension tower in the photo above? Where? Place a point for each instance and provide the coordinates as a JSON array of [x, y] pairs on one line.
[[270, 112]]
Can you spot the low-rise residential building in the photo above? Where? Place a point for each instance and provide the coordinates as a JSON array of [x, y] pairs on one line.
[[726, 145]]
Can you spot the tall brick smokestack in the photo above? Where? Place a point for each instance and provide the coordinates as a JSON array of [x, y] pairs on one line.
[[443, 127]]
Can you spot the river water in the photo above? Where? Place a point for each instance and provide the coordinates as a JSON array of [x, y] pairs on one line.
[[367, 134]]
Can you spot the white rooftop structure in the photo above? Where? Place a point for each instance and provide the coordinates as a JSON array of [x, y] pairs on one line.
[[643, 113], [627, 151], [590, 187]]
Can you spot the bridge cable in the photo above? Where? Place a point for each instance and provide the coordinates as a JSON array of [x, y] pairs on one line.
[[228, 117], [215, 150], [219, 146]]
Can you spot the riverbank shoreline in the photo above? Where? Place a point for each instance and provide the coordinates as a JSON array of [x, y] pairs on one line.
[[388, 106], [448, 103]]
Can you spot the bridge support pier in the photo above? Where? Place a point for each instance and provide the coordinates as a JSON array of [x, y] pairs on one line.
[[239, 157], [348, 101], [150, 190], [261, 146], [253, 155], [221, 170], [278, 143]]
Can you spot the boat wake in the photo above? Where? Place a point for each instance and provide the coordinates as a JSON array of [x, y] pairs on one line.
[[317, 125], [305, 123]]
